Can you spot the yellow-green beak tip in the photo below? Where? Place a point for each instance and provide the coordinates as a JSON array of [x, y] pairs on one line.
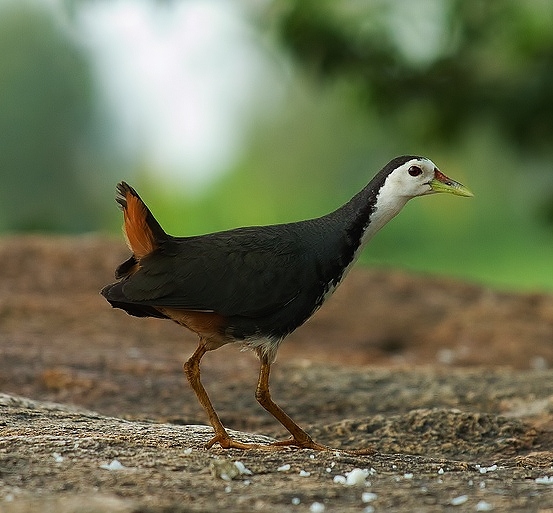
[[441, 183]]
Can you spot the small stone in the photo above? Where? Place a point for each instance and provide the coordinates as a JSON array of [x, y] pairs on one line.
[[317, 507], [368, 497], [356, 477], [484, 506], [242, 468], [457, 501], [113, 465]]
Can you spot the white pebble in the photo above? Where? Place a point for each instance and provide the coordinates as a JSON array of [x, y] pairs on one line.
[[356, 477], [295, 501], [242, 468], [228, 489], [283, 468], [369, 509], [311, 456], [440, 471], [484, 470], [408, 475], [457, 501], [544, 480], [484, 506], [368, 497], [317, 507], [114, 465], [304, 473], [329, 470], [57, 457], [339, 479], [187, 452]]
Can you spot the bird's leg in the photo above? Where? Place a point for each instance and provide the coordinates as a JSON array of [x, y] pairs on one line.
[[192, 371], [299, 437]]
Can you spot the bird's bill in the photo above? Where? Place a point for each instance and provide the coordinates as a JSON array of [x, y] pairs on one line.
[[441, 183]]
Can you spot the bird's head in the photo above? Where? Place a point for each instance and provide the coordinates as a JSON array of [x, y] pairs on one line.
[[417, 176]]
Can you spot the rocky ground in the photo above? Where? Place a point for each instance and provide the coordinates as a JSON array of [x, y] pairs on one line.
[[449, 384]]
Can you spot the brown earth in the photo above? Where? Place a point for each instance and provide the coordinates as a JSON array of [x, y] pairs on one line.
[[449, 383]]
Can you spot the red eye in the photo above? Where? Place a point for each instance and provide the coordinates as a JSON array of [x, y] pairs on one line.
[[415, 171]]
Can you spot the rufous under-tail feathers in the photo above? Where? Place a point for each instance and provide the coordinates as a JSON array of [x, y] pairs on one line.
[[142, 231]]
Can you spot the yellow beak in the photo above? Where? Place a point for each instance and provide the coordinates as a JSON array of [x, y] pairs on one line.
[[441, 183]]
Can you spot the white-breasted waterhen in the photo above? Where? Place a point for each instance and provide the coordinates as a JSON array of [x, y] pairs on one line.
[[255, 285]]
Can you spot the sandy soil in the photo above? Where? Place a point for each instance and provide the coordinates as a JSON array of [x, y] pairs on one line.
[[448, 382]]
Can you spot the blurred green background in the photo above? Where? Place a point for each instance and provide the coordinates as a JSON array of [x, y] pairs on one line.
[[237, 112]]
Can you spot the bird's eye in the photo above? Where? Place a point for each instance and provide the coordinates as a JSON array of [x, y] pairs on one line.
[[415, 171]]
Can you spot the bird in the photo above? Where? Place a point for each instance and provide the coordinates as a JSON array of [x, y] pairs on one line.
[[255, 285]]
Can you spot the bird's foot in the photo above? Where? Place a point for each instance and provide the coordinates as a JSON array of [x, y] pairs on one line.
[[226, 442], [308, 443]]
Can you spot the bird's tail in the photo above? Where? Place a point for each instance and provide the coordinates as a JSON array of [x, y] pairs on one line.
[[143, 233]]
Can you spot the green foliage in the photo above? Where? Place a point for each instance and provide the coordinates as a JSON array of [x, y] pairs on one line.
[[45, 111], [492, 60]]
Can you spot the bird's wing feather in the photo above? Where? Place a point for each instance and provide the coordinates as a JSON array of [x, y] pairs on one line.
[[247, 272]]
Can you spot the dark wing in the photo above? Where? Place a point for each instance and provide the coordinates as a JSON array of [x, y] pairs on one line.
[[248, 272]]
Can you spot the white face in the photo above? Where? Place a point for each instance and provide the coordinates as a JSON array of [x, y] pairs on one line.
[[412, 178]]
